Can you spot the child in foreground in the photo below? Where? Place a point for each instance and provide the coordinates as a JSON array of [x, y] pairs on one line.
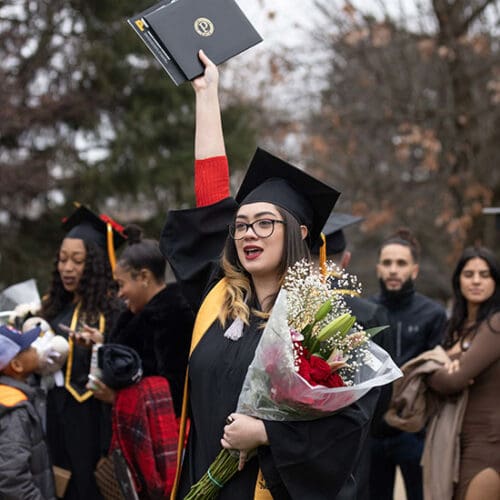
[[25, 468]]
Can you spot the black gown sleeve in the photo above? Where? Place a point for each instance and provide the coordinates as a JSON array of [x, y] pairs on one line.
[[313, 459], [192, 241]]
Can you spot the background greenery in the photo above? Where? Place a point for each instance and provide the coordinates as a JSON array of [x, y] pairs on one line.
[[402, 114]]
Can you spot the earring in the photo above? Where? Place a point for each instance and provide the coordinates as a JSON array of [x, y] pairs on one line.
[[145, 284]]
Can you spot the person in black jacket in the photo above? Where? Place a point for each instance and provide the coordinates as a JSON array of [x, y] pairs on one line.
[[368, 315], [25, 468], [417, 324], [157, 325], [158, 321]]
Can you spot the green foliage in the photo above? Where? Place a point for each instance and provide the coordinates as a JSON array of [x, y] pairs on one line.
[[89, 115]]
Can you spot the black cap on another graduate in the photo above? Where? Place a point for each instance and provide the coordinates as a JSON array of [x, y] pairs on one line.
[[334, 234], [85, 225], [270, 179]]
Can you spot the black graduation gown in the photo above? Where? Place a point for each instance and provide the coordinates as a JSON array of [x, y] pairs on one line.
[[78, 433], [310, 459]]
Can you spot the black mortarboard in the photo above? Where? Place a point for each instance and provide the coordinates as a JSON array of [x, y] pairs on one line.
[[273, 180], [86, 225], [334, 234], [120, 365]]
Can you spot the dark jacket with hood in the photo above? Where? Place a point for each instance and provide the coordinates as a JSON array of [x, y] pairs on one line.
[[417, 322], [161, 335], [25, 468], [416, 325]]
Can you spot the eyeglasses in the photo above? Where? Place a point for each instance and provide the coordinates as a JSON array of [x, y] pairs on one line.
[[263, 228]]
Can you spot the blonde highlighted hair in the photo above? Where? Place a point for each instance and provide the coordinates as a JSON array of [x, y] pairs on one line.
[[238, 294]]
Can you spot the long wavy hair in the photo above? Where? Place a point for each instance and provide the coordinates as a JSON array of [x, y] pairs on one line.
[[240, 291], [457, 329], [96, 289]]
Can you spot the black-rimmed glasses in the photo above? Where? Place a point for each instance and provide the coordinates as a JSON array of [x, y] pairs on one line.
[[263, 228]]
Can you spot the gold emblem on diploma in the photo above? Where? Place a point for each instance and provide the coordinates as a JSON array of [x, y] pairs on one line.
[[204, 27]]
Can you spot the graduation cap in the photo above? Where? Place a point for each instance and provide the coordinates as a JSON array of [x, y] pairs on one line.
[[85, 225], [270, 179], [334, 233]]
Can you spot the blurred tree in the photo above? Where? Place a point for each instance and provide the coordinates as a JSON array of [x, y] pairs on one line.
[[89, 115], [408, 124]]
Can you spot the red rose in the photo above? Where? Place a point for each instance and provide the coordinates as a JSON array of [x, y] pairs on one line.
[[317, 372], [305, 370], [335, 380], [320, 370]]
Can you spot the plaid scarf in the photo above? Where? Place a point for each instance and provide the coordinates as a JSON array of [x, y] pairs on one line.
[[146, 431]]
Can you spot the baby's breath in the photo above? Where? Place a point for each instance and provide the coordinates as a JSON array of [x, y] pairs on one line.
[[307, 290]]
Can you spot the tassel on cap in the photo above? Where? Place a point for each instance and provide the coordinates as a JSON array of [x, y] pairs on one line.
[[111, 246], [322, 255]]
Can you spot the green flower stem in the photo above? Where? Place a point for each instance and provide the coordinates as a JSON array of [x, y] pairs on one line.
[[222, 469]]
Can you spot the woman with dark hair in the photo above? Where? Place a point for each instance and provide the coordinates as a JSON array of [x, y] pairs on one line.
[[158, 321], [81, 305], [278, 212], [473, 342], [157, 325]]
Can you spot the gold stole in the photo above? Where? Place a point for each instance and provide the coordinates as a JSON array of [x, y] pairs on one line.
[[207, 314], [69, 364]]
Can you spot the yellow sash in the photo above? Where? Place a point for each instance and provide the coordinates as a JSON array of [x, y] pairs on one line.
[[69, 364], [207, 314]]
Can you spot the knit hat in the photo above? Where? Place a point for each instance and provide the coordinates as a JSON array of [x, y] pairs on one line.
[[120, 365]]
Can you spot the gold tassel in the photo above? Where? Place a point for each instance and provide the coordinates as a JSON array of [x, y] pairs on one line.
[[322, 255], [111, 246]]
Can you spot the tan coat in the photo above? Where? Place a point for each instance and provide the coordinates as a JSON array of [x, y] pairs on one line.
[[413, 405]]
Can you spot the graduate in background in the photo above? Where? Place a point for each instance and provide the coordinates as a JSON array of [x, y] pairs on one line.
[[332, 245], [82, 295]]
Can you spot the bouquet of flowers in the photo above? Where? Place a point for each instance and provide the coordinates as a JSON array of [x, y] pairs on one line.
[[313, 359]]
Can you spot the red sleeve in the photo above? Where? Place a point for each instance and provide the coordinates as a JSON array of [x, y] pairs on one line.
[[211, 180]]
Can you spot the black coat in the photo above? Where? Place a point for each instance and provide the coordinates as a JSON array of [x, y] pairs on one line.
[[416, 325], [161, 335]]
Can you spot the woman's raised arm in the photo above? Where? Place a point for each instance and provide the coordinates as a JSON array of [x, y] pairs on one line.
[[209, 139], [211, 169]]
